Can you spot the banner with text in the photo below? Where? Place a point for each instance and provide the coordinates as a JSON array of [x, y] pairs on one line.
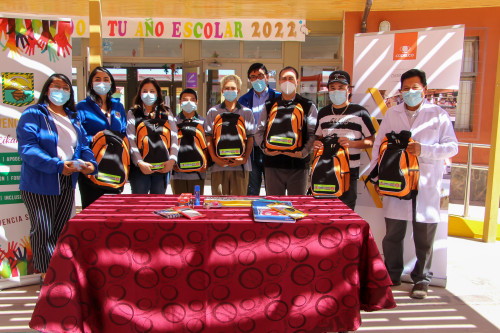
[[200, 29], [30, 51], [379, 61]]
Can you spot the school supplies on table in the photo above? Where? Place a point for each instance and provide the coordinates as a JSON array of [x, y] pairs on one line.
[[168, 213], [189, 212], [287, 209], [231, 201], [263, 213], [185, 199]]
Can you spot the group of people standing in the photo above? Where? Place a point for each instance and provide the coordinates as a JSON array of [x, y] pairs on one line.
[[55, 135]]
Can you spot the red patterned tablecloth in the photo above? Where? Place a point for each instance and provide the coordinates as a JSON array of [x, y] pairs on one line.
[[120, 268]]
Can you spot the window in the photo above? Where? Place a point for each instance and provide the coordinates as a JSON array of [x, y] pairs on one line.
[[262, 50], [121, 47], [159, 74], [155, 47], [321, 47], [220, 49], [465, 100]]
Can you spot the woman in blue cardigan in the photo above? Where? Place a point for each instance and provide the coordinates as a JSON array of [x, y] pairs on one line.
[[98, 112], [54, 150]]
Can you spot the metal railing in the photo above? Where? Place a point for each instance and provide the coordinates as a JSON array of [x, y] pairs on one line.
[[469, 166]]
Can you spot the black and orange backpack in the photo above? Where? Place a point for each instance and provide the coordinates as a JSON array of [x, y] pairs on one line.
[[330, 174], [229, 135], [111, 151], [153, 138], [192, 156], [285, 128], [397, 170]]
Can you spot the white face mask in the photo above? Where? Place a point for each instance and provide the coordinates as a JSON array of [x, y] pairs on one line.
[[148, 98], [413, 97], [188, 106], [58, 96], [101, 88], [338, 97], [288, 87]]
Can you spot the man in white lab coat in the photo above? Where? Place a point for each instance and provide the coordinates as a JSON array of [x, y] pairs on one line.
[[435, 140]]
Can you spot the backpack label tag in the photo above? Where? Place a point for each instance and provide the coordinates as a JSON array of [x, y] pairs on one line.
[[190, 165], [389, 184], [230, 151], [156, 166], [106, 177], [324, 188], [282, 140]]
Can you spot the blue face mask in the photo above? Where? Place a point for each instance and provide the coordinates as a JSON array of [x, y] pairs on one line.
[[148, 98], [188, 106], [338, 97], [230, 95], [58, 96], [413, 97], [259, 85], [101, 88]]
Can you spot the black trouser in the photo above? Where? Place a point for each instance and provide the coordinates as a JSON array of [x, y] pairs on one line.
[[393, 243]]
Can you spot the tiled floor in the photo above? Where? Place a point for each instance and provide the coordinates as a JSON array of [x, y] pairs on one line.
[[470, 302]]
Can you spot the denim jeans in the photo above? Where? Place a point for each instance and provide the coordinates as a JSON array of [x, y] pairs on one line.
[[155, 183], [255, 180]]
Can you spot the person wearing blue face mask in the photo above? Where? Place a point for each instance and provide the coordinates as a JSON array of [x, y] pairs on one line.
[[148, 104], [54, 151], [98, 112], [350, 122], [255, 100], [184, 182], [434, 141], [230, 175]]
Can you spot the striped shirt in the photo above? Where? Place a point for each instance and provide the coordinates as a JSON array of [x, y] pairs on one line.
[[353, 123]]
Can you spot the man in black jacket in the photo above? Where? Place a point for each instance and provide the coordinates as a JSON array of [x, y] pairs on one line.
[[287, 171]]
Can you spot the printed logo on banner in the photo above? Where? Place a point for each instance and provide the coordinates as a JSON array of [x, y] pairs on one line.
[[405, 46], [17, 89]]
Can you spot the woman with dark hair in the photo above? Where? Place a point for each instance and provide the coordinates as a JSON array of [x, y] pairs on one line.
[[54, 150], [98, 112], [148, 177]]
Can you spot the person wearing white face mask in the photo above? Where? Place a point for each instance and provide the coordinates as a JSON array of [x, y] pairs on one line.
[[352, 125], [255, 99], [184, 182], [435, 141], [230, 174], [54, 151], [98, 112], [148, 104], [287, 170]]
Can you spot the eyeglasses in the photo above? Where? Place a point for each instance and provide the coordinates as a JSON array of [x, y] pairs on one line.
[[255, 77]]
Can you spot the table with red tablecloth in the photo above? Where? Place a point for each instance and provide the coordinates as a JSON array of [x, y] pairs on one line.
[[120, 268]]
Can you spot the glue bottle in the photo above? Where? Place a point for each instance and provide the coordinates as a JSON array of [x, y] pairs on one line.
[[197, 195]]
